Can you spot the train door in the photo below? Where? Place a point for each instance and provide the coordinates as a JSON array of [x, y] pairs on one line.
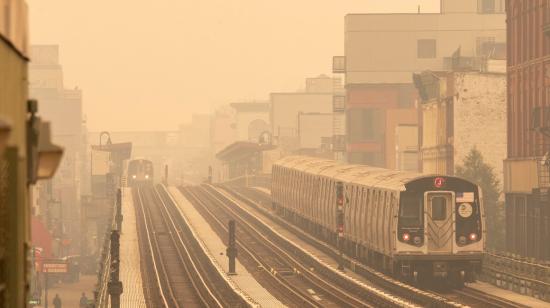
[[439, 214]]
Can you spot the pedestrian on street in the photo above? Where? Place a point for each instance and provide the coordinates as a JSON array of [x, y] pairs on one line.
[[83, 301], [57, 301]]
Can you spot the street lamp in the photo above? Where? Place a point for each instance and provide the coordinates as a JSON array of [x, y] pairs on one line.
[[49, 154], [42, 155], [5, 131]]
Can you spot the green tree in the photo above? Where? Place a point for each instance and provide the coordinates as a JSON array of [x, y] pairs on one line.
[[476, 170]]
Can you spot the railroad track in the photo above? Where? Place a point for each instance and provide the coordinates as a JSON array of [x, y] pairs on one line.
[[180, 274], [468, 296], [482, 299], [338, 288], [272, 270]]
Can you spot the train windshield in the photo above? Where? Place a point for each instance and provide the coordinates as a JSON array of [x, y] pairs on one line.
[[411, 210]]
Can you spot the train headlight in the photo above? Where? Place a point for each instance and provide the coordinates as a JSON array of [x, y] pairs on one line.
[[473, 237], [406, 237], [134, 176], [146, 176], [462, 240]]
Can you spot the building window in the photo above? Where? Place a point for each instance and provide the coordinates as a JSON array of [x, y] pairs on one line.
[[362, 124], [487, 6], [490, 6], [426, 49]]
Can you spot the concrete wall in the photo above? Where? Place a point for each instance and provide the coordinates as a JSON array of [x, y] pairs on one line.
[[382, 48], [14, 23], [312, 127], [406, 147], [398, 118], [286, 106], [468, 6], [244, 120]]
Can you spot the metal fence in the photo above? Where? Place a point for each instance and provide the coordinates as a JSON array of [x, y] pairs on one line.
[[519, 274]]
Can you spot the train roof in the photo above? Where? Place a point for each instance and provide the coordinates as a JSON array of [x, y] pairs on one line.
[[358, 174]]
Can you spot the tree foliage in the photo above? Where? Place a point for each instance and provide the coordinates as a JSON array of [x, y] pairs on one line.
[[476, 170]]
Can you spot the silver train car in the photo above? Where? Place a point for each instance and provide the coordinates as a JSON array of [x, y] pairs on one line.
[[140, 172], [414, 226]]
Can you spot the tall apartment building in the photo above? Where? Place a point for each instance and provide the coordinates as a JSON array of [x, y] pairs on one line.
[[526, 171], [14, 189], [64, 108], [383, 50]]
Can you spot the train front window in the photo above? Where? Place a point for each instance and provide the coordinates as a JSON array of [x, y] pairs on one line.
[[439, 208], [410, 210]]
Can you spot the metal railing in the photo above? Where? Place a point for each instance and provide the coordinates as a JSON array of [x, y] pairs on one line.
[[522, 275], [101, 292], [260, 180]]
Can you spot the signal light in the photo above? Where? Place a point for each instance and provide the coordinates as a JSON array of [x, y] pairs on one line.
[[340, 229], [473, 237], [406, 237], [439, 182]]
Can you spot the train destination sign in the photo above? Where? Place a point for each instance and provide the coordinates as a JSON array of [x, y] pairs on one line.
[[54, 266]]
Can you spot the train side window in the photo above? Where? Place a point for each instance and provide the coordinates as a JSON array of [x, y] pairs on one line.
[[439, 208]]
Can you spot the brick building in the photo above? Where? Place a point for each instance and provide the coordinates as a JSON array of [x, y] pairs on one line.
[[459, 111], [526, 172]]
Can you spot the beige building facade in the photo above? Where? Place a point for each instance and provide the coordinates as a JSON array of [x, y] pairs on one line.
[[14, 191]]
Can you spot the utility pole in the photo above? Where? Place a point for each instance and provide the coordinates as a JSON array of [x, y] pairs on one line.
[[340, 223], [46, 290], [231, 251]]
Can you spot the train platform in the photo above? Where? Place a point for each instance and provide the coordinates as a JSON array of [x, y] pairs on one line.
[[508, 295], [243, 281], [263, 189], [130, 269]]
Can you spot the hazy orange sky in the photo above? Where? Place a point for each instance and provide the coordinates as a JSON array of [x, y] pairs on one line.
[[148, 65]]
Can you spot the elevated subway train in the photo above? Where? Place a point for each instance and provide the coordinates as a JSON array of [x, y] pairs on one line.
[[140, 172], [415, 226]]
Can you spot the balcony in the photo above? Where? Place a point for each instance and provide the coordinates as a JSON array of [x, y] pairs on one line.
[[339, 64]]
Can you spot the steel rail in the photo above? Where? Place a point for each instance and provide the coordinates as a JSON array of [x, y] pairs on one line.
[[423, 297], [204, 285], [303, 299], [372, 294], [488, 299], [153, 257]]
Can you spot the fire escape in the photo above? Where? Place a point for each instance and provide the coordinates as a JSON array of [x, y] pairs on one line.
[[339, 112]]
